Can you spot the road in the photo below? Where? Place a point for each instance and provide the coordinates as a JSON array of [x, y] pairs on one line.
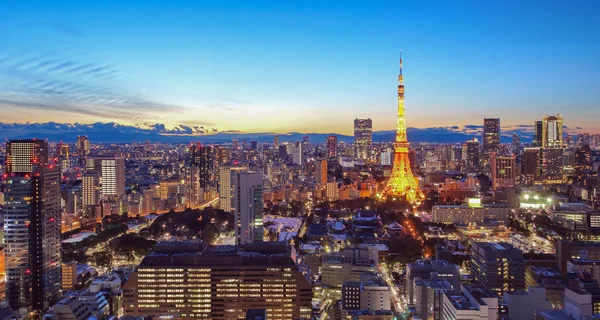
[[398, 303]]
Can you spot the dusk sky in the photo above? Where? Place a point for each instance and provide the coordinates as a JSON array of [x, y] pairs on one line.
[[281, 66]]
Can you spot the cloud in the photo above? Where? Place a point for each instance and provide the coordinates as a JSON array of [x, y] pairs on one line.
[[77, 88]]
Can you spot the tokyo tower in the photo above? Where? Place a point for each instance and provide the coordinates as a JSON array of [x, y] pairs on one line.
[[402, 183]]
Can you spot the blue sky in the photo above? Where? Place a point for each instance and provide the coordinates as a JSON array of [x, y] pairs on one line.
[[303, 66]]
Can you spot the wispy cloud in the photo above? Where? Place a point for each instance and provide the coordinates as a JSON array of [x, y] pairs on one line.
[[75, 87]]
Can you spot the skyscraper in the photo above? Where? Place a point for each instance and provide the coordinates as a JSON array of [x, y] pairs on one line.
[[471, 155], [23, 155], [321, 172], [531, 170], [537, 134], [247, 206], [491, 137], [498, 266], [90, 190], [112, 175], [402, 183], [552, 131], [297, 157], [32, 237], [503, 171], [363, 138], [552, 165], [332, 146], [203, 157], [83, 145]]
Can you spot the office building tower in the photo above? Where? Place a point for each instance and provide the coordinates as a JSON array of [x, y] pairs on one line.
[[331, 146], [348, 265], [427, 269], [491, 137], [516, 144], [247, 206], [537, 134], [531, 169], [282, 152], [202, 157], [32, 238], [23, 155], [402, 183], [112, 175], [498, 266], [385, 157], [504, 171], [222, 155], [62, 150], [180, 281], [194, 191], [321, 172], [552, 165], [471, 156], [90, 189], [473, 302], [297, 153], [225, 188], [363, 138], [583, 159], [276, 141], [552, 131], [254, 145], [83, 145]]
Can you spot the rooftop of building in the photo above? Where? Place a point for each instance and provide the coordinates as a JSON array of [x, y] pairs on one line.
[[371, 312], [544, 271], [366, 215], [552, 314], [260, 253], [494, 246], [430, 263]]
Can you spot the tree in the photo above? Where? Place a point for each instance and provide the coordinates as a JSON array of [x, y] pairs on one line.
[[209, 234], [103, 259]]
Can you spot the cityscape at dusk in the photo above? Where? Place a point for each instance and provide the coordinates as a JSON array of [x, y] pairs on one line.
[[299, 160]]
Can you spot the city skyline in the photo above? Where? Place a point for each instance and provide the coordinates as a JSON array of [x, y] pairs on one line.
[[200, 66]]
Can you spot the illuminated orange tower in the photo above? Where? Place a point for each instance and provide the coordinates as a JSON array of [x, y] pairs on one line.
[[402, 183]]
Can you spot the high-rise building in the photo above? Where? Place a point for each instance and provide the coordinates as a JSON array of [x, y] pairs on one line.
[[516, 143], [83, 145], [583, 159], [179, 281], [385, 157], [297, 153], [471, 155], [276, 141], [194, 190], [225, 192], [552, 165], [402, 183], [90, 190], [112, 175], [363, 138], [222, 155], [504, 171], [23, 155], [203, 157], [332, 142], [531, 170], [247, 206], [491, 137], [537, 134], [498, 266], [32, 238], [552, 131], [321, 172]]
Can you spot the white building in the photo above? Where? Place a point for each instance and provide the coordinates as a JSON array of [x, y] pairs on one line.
[[247, 206], [465, 306], [470, 214], [374, 296], [522, 305]]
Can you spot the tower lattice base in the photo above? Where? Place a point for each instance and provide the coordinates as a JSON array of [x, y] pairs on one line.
[[402, 183]]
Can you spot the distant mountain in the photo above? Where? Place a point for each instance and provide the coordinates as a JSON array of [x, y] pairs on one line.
[[118, 133]]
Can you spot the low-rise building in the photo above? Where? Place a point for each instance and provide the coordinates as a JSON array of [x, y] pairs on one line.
[[473, 302]]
